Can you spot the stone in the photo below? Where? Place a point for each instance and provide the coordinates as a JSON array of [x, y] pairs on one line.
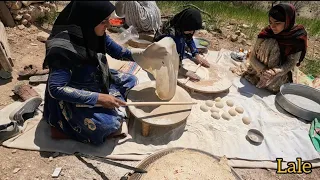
[[21, 26], [53, 7], [238, 32], [243, 35], [46, 10], [232, 22], [14, 151], [229, 27], [203, 31], [16, 5], [9, 4], [33, 44], [46, 4], [37, 12], [234, 38], [17, 17], [42, 36], [228, 36], [245, 26], [249, 44], [27, 17], [16, 170], [14, 12], [24, 22], [22, 11], [50, 159], [243, 41]]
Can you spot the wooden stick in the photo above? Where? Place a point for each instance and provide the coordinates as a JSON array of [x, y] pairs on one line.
[[145, 104], [194, 72]]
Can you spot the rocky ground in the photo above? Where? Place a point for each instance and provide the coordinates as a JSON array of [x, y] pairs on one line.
[[21, 164]]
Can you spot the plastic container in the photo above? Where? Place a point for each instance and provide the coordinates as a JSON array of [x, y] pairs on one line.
[[127, 34]]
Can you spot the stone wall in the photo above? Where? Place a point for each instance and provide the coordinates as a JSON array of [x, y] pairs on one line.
[[27, 12]]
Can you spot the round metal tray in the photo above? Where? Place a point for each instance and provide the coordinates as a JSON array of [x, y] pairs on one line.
[[152, 158], [300, 90]]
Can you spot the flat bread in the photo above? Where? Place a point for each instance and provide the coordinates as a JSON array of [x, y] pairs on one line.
[[213, 80], [162, 61]]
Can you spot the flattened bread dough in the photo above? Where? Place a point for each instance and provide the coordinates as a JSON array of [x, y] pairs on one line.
[[230, 103], [239, 110], [232, 112], [226, 116], [219, 105], [246, 120], [209, 103], [204, 108], [214, 79], [162, 61]]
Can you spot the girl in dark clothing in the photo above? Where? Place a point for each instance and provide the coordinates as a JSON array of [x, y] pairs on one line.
[[182, 28]]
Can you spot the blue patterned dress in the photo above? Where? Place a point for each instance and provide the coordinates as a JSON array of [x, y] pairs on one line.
[[80, 86]]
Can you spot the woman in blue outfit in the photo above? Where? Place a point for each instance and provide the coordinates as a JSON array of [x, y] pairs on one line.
[[79, 74], [181, 28]]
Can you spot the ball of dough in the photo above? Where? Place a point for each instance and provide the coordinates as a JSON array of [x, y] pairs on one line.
[[239, 110], [246, 120], [217, 99], [225, 116], [232, 112], [204, 108], [213, 109], [230, 103], [209, 103], [215, 115], [219, 105]]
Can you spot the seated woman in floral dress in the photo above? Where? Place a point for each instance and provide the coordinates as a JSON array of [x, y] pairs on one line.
[[79, 75], [279, 47]]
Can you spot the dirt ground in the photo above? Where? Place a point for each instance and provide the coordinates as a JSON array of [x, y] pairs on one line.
[[35, 165]]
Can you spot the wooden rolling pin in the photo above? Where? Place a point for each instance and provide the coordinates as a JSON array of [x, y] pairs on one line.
[[145, 104], [194, 72]]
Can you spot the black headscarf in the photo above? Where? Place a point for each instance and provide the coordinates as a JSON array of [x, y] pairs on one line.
[[187, 20], [87, 15], [73, 42]]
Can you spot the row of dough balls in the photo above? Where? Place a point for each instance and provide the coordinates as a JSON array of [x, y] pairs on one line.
[[227, 116]]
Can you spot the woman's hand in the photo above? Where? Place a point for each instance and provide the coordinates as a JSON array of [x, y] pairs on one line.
[[109, 101], [202, 61], [193, 76]]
